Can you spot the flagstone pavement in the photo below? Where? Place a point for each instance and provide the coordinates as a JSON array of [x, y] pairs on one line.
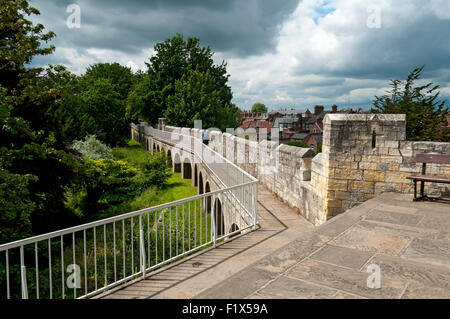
[[388, 247]]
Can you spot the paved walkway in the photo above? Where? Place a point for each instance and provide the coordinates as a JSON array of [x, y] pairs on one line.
[[289, 258]]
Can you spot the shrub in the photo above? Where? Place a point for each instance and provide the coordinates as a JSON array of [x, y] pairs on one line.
[[93, 148], [156, 171], [106, 183], [298, 144]]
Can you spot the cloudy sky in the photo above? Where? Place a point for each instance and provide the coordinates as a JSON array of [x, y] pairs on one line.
[[284, 53]]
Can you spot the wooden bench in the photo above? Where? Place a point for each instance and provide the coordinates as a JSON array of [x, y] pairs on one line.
[[428, 159]]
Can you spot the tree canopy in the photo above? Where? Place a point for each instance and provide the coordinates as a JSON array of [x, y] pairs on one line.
[[35, 166], [259, 108], [161, 93], [121, 77], [425, 112]]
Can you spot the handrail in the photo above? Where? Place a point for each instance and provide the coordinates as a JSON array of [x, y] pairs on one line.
[[158, 245], [101, 222]]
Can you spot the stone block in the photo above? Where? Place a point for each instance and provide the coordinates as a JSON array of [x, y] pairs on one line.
[[397, 177], [361, 187], [350, 174], [374, 176]]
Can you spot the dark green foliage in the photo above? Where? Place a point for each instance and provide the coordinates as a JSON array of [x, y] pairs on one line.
[[35, 164], [104, 112], [259, 108], [156, 171], [298, 144], [108, 183], [425, 113], [197, 97], [182, 60], [121, 77]]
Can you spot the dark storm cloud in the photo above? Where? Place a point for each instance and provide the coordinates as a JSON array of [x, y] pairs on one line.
[[238, 27]]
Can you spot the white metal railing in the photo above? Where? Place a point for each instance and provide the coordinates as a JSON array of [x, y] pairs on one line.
[[82, 261], [227, 173]]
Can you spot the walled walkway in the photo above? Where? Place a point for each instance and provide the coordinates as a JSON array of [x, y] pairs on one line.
[[289, 258]]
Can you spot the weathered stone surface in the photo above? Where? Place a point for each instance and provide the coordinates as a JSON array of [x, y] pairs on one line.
[[372, 241], [345, 279], [394, 218], [290, 288], [413, 272], [415, 291], [342, 256], [430, 251]]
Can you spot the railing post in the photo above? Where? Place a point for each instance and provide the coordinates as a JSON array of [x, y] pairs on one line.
[[141, 247], [213, 220], [23, 275], [255, 204]]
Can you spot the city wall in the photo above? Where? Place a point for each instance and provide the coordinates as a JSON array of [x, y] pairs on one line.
[[362, 155]]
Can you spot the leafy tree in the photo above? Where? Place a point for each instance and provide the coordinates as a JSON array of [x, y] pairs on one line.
[[35, 167], [197, 97], [174, 58], [259, 108], [104, 112], [425, 113], [65, 114], [121, 77]]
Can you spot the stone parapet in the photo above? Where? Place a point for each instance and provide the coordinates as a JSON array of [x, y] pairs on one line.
[[363, 155]]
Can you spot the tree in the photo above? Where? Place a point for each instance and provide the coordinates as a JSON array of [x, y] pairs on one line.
[[105, 112], [121, 77], [196, 97], [174, 58], [259, 108], [35, 166], [425, 113]]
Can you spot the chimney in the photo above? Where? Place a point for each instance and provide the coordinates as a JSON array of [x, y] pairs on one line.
[[318, 109], [334, 108]]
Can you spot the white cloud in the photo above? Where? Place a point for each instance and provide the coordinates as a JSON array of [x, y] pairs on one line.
[[324, 52], [313, 50]]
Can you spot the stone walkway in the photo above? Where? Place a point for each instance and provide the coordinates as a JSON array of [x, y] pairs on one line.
[[188, 278], [289, 258]]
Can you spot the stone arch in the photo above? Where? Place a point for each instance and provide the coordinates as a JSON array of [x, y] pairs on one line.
[[218, 217], [195, 175], [169, 158], [177, 163], [187, 168], [200, 183], [208, 199]]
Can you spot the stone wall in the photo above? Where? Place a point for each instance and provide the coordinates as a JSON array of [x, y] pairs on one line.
[[366, 154], [362, 156]]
